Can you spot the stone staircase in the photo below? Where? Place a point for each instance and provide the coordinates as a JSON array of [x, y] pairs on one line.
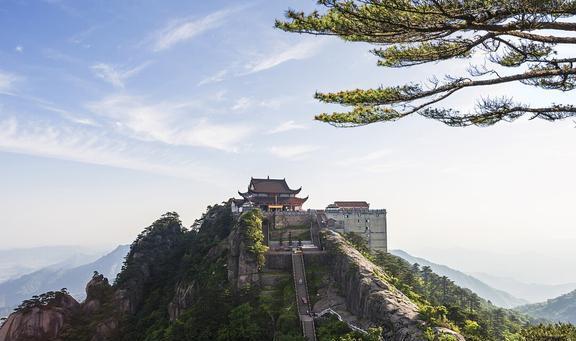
[[302, 299]]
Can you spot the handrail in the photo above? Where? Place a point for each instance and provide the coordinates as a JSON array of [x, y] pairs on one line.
[[350, 325]]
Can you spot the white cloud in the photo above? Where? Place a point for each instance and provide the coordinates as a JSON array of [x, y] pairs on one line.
[[301, 50], [296, 152], [19, 49], [215, 78], [116, 76], [286, 126], [169, 123], [7, 81], [242, 104], [68, 115], [92, 147], [185, 29], [245, 103]]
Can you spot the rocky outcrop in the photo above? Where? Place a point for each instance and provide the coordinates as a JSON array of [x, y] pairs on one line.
[[242, 265], [184, 296], [40, 323], [97, 290], [104, 330], [243, 268], [369, 296]]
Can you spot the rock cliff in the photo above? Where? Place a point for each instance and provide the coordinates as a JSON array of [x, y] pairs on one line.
[[40, 321], [369, 296], [246, 251]]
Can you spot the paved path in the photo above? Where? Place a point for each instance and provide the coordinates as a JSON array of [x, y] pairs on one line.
[[303, 301]]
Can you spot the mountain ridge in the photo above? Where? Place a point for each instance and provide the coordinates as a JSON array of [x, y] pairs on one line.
[[497, 297], [560, 309], [532, 292]]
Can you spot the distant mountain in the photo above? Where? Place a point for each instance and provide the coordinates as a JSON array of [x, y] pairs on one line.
[[532, 292], [17, 262], [497, 297], [562, 309], [13, 292]]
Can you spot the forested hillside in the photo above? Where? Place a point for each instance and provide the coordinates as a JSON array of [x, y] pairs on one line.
[[561, 309]]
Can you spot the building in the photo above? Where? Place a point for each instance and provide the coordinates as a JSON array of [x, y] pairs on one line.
[[269, 195], [356, 216], [337, 205]]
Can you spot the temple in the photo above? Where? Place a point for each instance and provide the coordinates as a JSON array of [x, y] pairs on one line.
[[269, 195]]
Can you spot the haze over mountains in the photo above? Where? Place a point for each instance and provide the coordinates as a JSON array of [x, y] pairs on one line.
[[65, 274], [17, 262], [532, 292], [530, 263], [497, 297]]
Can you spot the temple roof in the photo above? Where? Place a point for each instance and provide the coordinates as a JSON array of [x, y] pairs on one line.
[[273, 186]]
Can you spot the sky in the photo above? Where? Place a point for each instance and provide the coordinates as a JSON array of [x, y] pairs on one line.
[[115, 112]]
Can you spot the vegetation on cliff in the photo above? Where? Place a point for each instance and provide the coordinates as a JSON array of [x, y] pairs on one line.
[[251, 229], [44, 300], [441, 302]]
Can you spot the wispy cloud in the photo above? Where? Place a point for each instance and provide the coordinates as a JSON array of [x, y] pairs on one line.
[[81, 37], [19, 49], [92, 147], [242, 104], [215, 78], [7, 81], [69, 115], [182, 30], [169, 123], [301, 50], [295, 152], [245, 103], [115, 75], [286, 126]]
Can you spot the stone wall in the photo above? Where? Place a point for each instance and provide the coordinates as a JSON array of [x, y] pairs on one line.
[[371, 224], [281, 261], [285, 219]]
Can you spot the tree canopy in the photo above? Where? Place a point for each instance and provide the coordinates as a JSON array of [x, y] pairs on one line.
[[521, 41]]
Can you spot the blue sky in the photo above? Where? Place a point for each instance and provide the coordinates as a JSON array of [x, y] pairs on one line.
[[113, 112]]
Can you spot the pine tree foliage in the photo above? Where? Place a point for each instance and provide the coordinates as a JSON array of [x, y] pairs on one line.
[[519, 40]]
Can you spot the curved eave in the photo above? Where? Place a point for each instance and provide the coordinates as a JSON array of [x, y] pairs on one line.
[[244, 195], [294, 191], [297, 201]]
